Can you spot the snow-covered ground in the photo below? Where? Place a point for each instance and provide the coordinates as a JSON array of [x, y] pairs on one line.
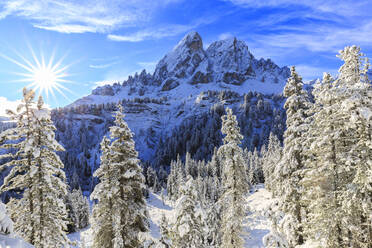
[[256, 225], [12, 241]]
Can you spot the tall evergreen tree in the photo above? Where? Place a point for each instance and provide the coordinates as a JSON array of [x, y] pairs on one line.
[[40, 215], [120, 215], [270, 159], [164, 241], [292, 163], [234, 182], [213, 225], [103, 213], [338, 180], [187, 231], [78, 207]]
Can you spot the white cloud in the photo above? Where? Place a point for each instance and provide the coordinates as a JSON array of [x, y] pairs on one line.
[[341, 7], [104, 82], [162, 31], [308, 72], [7, 104], [70, 16], [324, 26], [225, 36], [103, 66], [319, 39], [157, 33]]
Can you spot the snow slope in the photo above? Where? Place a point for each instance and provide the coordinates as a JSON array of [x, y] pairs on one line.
[[256, 225], [10, 241]]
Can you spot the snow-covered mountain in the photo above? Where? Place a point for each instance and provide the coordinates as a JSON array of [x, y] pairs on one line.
[[188, 69], [178, 107]]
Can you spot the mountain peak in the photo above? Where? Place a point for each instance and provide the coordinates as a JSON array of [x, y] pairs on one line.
[[225, 63], [191, 40], [182, 61]]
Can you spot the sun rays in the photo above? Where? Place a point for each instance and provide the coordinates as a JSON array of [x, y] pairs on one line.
[[45, 76]]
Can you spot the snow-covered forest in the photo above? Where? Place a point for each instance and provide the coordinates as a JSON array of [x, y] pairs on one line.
[[252, 174]]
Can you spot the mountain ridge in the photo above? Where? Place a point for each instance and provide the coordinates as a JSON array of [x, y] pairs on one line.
[[224, 64]]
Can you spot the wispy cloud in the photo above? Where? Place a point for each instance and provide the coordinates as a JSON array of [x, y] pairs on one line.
[[341, 7], [103, 82], [225, 36], [317, 26], [162, 31], [291, 29], [170, 30], [103, 66], [321, 39], [68, 16], [309, 72]]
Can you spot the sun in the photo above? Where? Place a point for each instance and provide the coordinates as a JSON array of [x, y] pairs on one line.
[[44, 76]]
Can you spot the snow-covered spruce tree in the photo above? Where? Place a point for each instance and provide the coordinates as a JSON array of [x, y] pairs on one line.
[[293, 159], [164, 241], [152, 180], [120, 215], [187, 231], [175, 178], [213, 225], [6, 224], [215, 164], [270, 159], [180, 178], [190, 166], [103, 212], [234, 182], [255, 174], [78, 208], [357, 199], [275, 239], [171, 184], [338, 180], [40, 215]]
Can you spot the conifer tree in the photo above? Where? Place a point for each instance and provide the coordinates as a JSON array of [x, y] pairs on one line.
[[213, 225], [164, 232], [293, 160], [276, 238], [102, 218], [40, 215], [171, 184], [187, 231], [270, 160], [338, 181], [234, 182], [120, 215], [357, 199], [78, 207]]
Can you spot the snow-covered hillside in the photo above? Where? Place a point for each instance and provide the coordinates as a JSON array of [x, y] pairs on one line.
[[256, 225]]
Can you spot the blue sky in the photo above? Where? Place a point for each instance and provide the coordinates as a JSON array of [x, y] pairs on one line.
[[103, 41]]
